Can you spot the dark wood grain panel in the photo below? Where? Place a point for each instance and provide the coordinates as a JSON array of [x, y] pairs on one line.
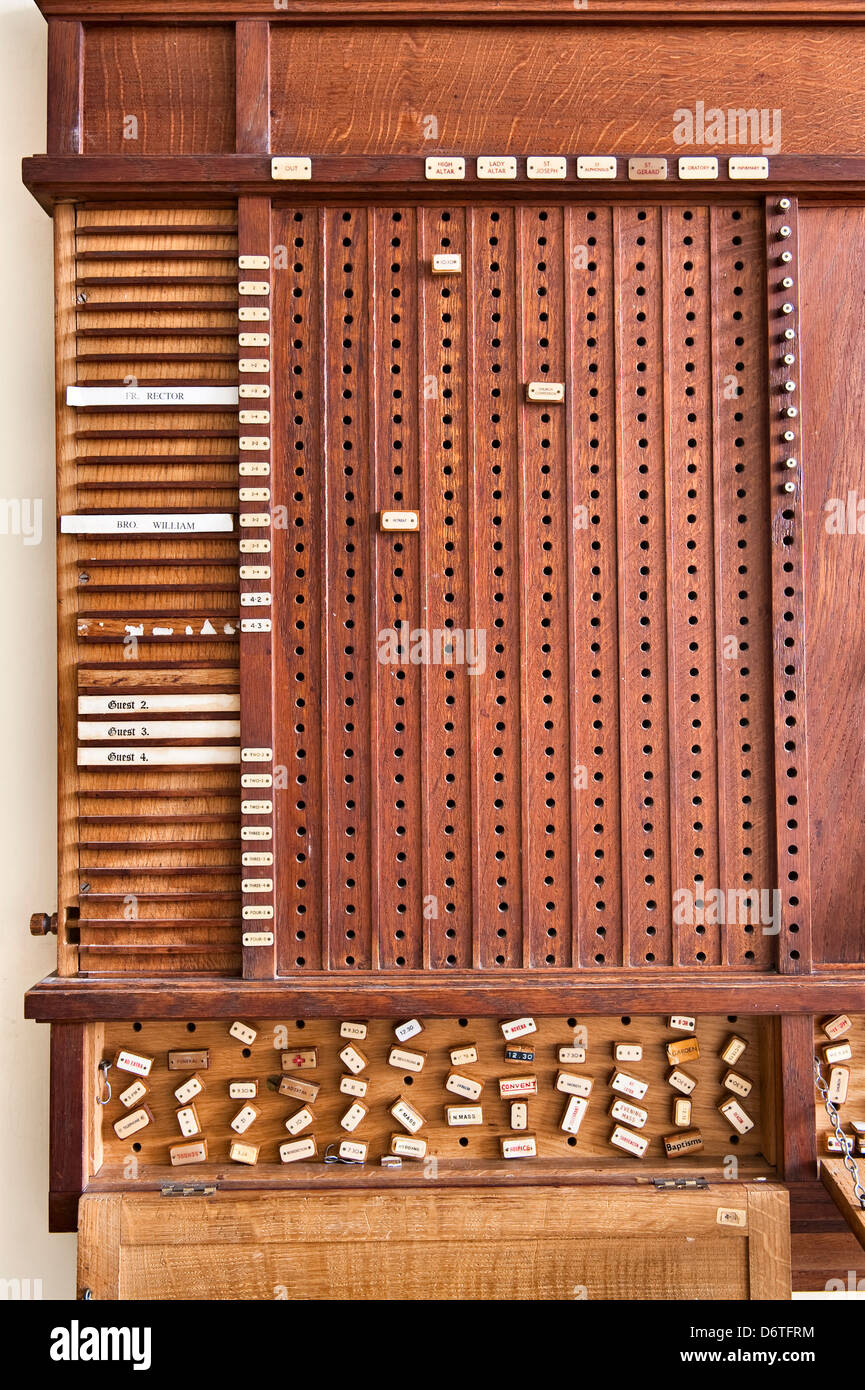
[[831, 267], [175, 81], [252, 84], [65, 85]]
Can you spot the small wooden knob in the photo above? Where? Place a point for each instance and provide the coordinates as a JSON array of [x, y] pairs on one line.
[[43, 924]]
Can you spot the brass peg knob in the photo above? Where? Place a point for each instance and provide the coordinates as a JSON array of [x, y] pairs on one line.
[[43, 924]]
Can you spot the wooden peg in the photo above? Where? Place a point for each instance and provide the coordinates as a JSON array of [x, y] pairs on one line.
[[546, 392], [404, 1146], [244, 1118], [836, 1027], [681, 1081], [678, 1145], [355, 1031], [353, 1116], [301, 1059], [447, 263], [459, 1116], [243, 1032], [353, 1150], [300, 1120], [575, 1113], [630, 1086], [524, 1147], [353, 1086], [410, 1029], [464, 1056], [133, 1094], [189, 1089], [839, 1083], [630, 1143], [629, 1114], [682, 1023], [466, 1086], [513, 1087], [682, 1109], [733, 1049], [133, 1062], [180, 1155], [738, 1084], [130, 1124], [353, 1058], [683, 1050], [187, 1121], [407, 1115], [299, 1090], [518, 1028], [736, 1116], [627, 1052], [574, 1085], [241, 1090], [571, 1056], [837, 1052], [244, 1153], [196, 1060], [519, 1114], [296, 1149], [406, 1061]]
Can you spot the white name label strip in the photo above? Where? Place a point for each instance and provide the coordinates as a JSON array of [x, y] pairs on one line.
[[146, 524], [166, 396]]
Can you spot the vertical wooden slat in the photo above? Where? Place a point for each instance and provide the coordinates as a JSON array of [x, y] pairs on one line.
[[742, 612], [65, 86], [252, 86], [495, 688], [788, 597], [690, 586], [590, 394], [799, 1141], [347, 774], [256, 636], [298, 500], [642, 587], [544, 579], [69, 1119]]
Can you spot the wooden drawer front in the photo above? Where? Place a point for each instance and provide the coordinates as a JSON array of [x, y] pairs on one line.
[[539, 1243]]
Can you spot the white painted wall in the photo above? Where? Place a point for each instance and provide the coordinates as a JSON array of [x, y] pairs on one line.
[[27, 664]]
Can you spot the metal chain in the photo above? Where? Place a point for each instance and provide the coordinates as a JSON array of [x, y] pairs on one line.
[[844, 1140]]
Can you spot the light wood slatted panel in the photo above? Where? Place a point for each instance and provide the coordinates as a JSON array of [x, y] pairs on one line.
[[158, 852], [545, 805]]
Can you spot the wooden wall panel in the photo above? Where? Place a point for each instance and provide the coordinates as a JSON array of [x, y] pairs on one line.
[[833, 363], [175, 81], [550, 88]]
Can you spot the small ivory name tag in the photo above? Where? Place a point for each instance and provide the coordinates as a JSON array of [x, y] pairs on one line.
[[839, 1082], [574, 1085], [736, 1116], [352, 1086], [683, 1050], [256, 779], [353, 1058], [681, 1081], [835, 1028], [447, 263], [738, 1084], [353, 1150], [646, 167], [300, 1120], [244, 1032], [519, 1114], [407, 1115], [255, 625], [253, 287], [133, 1094], [180, 1155], [628, 1114], [733, 1050], [253, 390], [458, 1116], [256, 808], [445, 167], [357, 1031], [296, 167], [166, 396], [296, 1149], [257, 938], [248, 340], [195, 1060], [244, 1119], [574, 1056], [406, 1061], [146, 524], [682, 1023], [524, 1147], [299, 1090], [132, 1123], [353, 1116], [133, 1062], [551, 392], [253, 263], [748, 166], [251, 859], [464, 1056], [398, 521], [698, 167], [249, 313], [496, 166], [575, 1112], [189, 1090], [676, 1145], [242, 1090], [596, 166], [403, 1146], [253, 364], [835, 1146], [187, 1121], [837, 1052], [630, 1143], [465, 1086], [512, 1086], [517, 1028], [302, 1059], [630, 1086], [627, 1052], [731, 1216], [243, 1153], [410, 1029], [540, 166], [682, 1108]]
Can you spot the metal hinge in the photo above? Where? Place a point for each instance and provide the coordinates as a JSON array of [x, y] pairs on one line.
[[680, 1184], [192, 1189]]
